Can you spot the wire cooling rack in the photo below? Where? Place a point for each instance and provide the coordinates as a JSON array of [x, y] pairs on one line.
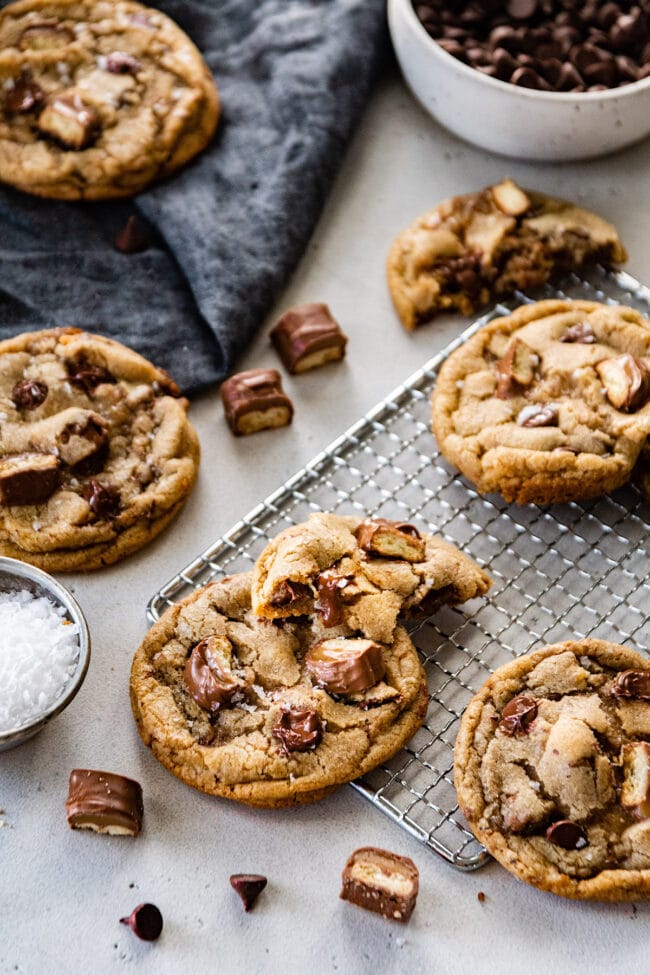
[[566, 571]]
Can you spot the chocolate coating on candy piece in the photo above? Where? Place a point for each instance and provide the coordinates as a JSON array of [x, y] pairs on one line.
[[567, 834], [632, 684], [299, 730], [393, 539], [28, 478], [120, 62], [209, 677], [70, 121], [382, 882], [343, 666], [254, 400], [518, 715], [104, 802], [626, 381], [87, 376], [307, 337], [330, 604], [45, 35]]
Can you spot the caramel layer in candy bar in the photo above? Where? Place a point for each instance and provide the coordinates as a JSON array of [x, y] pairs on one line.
[[104, 802], [254, 401], [307, 337], [382, 882]]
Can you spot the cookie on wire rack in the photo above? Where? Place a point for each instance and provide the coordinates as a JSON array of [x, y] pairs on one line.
[[363, 572], [552, 769], [549, 404], [477, 247], [270, 714]]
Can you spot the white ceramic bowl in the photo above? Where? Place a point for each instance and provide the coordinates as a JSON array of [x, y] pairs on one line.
[[512, 121], [16, 575]]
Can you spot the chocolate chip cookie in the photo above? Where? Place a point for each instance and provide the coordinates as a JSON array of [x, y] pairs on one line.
[[552, 769], [98, 99], [549, 404], [270, 713], [361, 572], [96, 452], [474, 248]]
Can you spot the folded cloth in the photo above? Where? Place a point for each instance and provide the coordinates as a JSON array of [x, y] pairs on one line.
[[293, 76]]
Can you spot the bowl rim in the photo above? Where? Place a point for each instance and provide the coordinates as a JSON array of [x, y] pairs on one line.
[[561, 97], [61, 595]]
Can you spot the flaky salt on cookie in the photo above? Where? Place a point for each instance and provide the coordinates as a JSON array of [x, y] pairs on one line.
[[474, 248]]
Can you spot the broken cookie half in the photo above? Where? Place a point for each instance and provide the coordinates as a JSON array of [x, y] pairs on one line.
[[481, 246], [362, 573]]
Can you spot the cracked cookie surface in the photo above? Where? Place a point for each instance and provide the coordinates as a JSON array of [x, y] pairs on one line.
[[98, 99], [96, 451], [259, 725], [549, 404], [361, 572], [552, 769], [480, 246]]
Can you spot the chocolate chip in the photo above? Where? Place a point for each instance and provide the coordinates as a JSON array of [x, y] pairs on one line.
[[518, 715], [27, 394], [567, 834], [25, 96], [87, 376], [249, 886], [632, 684], [121, 63], [481, 897], [542, 35], [521, 9], [581, 332], [104, 501], [289, 593], [145, 921], [299, 730], [132, 238]]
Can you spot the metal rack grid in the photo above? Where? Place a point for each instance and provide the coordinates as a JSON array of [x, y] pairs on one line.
[[566, 571]]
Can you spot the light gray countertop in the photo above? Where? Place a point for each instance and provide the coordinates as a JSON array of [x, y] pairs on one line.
[[62, 892]]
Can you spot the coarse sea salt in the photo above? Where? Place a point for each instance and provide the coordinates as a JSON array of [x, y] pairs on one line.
[[39, 650]]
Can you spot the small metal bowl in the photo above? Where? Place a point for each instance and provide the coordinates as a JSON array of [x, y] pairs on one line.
[[14, 576]]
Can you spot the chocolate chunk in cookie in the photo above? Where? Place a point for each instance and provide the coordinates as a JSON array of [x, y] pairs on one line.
[[71, 121], [28, 478], [481, 246], [344, 666]]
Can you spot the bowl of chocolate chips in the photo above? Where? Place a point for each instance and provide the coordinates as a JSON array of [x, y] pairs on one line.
[[546, 80]]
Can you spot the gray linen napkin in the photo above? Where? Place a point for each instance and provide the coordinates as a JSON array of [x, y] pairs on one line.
[[227, 231]]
